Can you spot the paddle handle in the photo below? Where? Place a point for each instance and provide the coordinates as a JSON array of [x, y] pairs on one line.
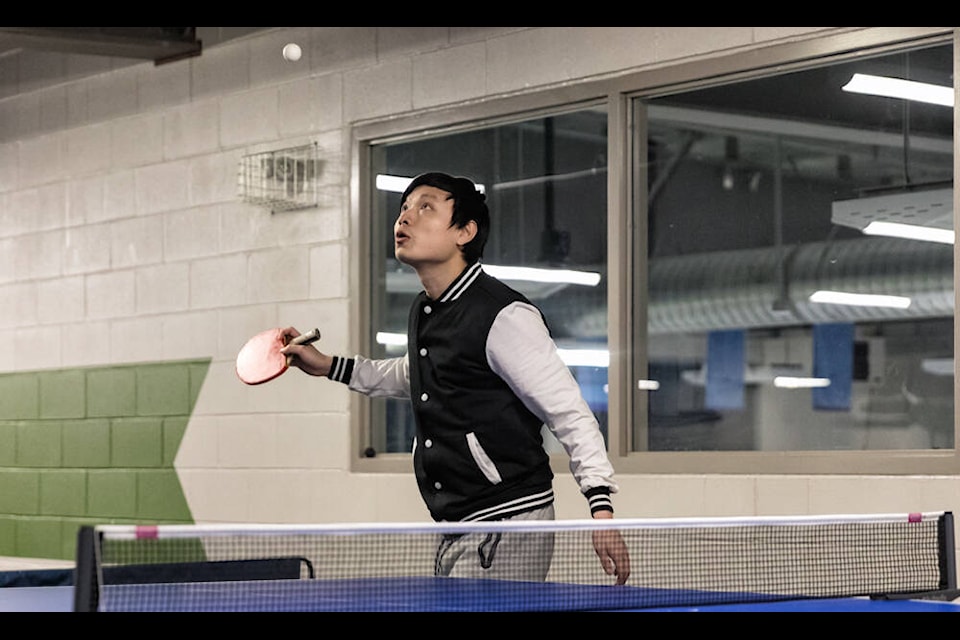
[[306, 338]]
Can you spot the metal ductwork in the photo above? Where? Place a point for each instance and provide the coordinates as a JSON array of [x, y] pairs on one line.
[[758, 288], [770, 287]]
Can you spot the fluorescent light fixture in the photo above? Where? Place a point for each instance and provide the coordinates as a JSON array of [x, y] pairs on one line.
[[937, 366], [535, 283], [395, 184], [585, 357], [570, 357], [898, 88], [531, 274], [929, 208], [398, 184], [792, 382], [781, 376], [860, 299], [911, 231], [648, 385], [391, 339]]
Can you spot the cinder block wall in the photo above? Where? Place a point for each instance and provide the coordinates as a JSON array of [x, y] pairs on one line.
[[82, 446]]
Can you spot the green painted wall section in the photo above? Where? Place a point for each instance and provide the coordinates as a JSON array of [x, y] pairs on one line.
[[91, 446]]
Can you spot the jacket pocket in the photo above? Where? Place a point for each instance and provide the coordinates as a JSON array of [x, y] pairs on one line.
[[483, 461]]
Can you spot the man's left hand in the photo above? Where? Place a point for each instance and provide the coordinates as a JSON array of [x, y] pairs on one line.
[[612, 551]]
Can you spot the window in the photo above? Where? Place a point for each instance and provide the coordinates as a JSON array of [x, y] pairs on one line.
[[546, 184], [758, 198], [717, 217]]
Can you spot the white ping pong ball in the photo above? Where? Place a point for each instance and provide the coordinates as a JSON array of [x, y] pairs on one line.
[[292, 52]]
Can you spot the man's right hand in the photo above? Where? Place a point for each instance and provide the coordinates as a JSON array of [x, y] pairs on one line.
[[305, 357]]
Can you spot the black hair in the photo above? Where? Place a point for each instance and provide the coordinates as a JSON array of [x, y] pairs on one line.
[[468, 204]]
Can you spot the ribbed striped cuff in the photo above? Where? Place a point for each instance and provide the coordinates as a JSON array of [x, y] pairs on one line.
[[599, 499], [341, 370]]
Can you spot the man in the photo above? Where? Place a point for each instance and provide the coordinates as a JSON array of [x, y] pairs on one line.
[[483, 375]]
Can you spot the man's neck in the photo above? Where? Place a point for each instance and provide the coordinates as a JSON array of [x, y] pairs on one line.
[[437, 277]]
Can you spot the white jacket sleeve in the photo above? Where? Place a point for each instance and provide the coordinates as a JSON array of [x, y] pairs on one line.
[[520, 350], [385, 378]]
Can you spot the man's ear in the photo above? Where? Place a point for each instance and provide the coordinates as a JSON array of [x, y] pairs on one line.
[[466, 233]]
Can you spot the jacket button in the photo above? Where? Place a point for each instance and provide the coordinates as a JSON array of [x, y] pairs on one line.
[[424, 397], [423, 351], [428, 443], [437, 486], [428, 309]]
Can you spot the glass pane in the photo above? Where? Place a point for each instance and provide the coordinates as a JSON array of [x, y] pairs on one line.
[[760, 194], [545, 180]]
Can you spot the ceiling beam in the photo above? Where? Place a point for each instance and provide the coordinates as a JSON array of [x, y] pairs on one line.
[[160, 44]]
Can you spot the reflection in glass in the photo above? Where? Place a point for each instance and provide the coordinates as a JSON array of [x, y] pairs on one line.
[[758, 197]]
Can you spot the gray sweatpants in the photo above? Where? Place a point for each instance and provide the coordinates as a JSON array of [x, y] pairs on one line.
[[522, 555]]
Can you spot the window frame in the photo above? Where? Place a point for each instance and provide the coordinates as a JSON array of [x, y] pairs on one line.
[[627, 226]]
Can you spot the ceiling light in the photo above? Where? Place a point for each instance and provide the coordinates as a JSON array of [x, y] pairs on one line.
[[585, 357], [794, 382], [897, 88], [394, 184], [860, 299], [532, 274], [571, 357], [398, 184], [727, 180], [932, 208], [910, 231], [391, 339], [937, 366], [536, 284], [781, 376]]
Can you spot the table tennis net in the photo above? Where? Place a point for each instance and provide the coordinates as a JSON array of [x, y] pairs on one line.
[[392, 567]]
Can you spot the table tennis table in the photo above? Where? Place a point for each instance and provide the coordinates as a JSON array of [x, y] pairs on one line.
[[428, 595], [905, 560]]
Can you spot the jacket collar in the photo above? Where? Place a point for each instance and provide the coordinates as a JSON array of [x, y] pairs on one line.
[[462, 283]]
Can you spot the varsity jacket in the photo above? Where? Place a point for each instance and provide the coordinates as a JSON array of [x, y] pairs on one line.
[[483, 376]]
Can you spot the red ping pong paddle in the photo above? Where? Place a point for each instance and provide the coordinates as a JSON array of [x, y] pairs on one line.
[[260, 359]]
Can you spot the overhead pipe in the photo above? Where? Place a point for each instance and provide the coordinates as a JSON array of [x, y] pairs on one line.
[[745, 289]]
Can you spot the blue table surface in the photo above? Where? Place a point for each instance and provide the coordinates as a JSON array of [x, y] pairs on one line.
[[426, 595]]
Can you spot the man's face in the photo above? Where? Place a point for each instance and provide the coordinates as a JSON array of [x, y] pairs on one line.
[[422, 233]]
